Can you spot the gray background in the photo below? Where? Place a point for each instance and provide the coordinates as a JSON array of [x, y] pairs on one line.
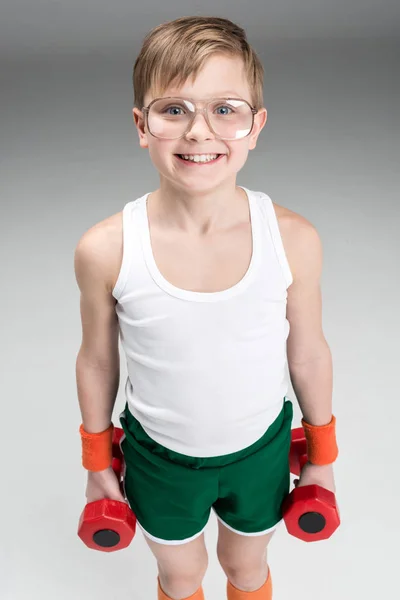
[[70, 157]]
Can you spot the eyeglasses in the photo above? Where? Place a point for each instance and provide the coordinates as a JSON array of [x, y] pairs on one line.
[[171, 117]]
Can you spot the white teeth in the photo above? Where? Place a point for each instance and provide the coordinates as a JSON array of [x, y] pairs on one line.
[[199, 157]]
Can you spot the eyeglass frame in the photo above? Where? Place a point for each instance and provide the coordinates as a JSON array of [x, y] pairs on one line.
[[198, 110]]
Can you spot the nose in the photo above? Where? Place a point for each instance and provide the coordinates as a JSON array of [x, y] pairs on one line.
[[199, 128]]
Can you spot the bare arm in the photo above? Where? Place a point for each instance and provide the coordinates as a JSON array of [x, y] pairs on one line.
[[97, 364], [309, 356]]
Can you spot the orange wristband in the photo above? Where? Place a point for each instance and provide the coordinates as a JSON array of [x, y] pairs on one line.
[[97, 449], [321, 442]]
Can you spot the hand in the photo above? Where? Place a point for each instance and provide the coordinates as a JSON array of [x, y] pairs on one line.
[[103, 484], [321, 475]]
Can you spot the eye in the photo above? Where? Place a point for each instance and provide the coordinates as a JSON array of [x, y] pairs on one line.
[[172, 108], [224, 106]]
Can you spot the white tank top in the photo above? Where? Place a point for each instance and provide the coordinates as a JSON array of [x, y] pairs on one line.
[[206, 370]]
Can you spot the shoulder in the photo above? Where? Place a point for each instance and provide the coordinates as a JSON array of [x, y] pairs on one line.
[[300, 239], [101, 248]]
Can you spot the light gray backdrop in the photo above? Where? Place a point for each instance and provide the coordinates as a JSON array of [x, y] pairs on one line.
[[70, 157]]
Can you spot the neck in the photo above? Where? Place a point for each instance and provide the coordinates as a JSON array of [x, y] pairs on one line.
[[201, 212]]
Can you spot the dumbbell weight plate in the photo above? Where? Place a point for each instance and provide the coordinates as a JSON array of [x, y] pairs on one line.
[[107, 525], [311, 513]]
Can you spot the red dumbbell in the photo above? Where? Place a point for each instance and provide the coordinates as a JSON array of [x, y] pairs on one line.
[[310, 512], [108, 525]]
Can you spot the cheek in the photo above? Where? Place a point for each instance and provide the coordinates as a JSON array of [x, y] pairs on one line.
[[159, 155], [163, 160], [238, 156]]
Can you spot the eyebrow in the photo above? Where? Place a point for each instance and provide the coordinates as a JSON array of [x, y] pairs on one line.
[[224, 94]]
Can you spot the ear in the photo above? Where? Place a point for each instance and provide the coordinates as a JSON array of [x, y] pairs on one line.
[[260, 120], [138, 118]]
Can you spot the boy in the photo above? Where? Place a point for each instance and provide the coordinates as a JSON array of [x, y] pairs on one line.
[[202, 279]]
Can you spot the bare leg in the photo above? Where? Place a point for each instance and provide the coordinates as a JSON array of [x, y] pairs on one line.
[[243, 558], [181, 568]]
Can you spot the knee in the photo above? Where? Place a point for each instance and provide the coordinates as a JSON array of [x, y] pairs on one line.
[[238, 562], [189, 570], [244, 578], [182, 582], [248, 580], [243, 573]]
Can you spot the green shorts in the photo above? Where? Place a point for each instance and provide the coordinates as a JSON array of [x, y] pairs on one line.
[[172, 494]]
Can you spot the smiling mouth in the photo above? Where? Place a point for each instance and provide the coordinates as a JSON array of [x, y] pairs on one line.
[[199, 162]]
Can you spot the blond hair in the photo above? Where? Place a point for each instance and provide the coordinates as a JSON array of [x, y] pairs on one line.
[[177, 50]]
